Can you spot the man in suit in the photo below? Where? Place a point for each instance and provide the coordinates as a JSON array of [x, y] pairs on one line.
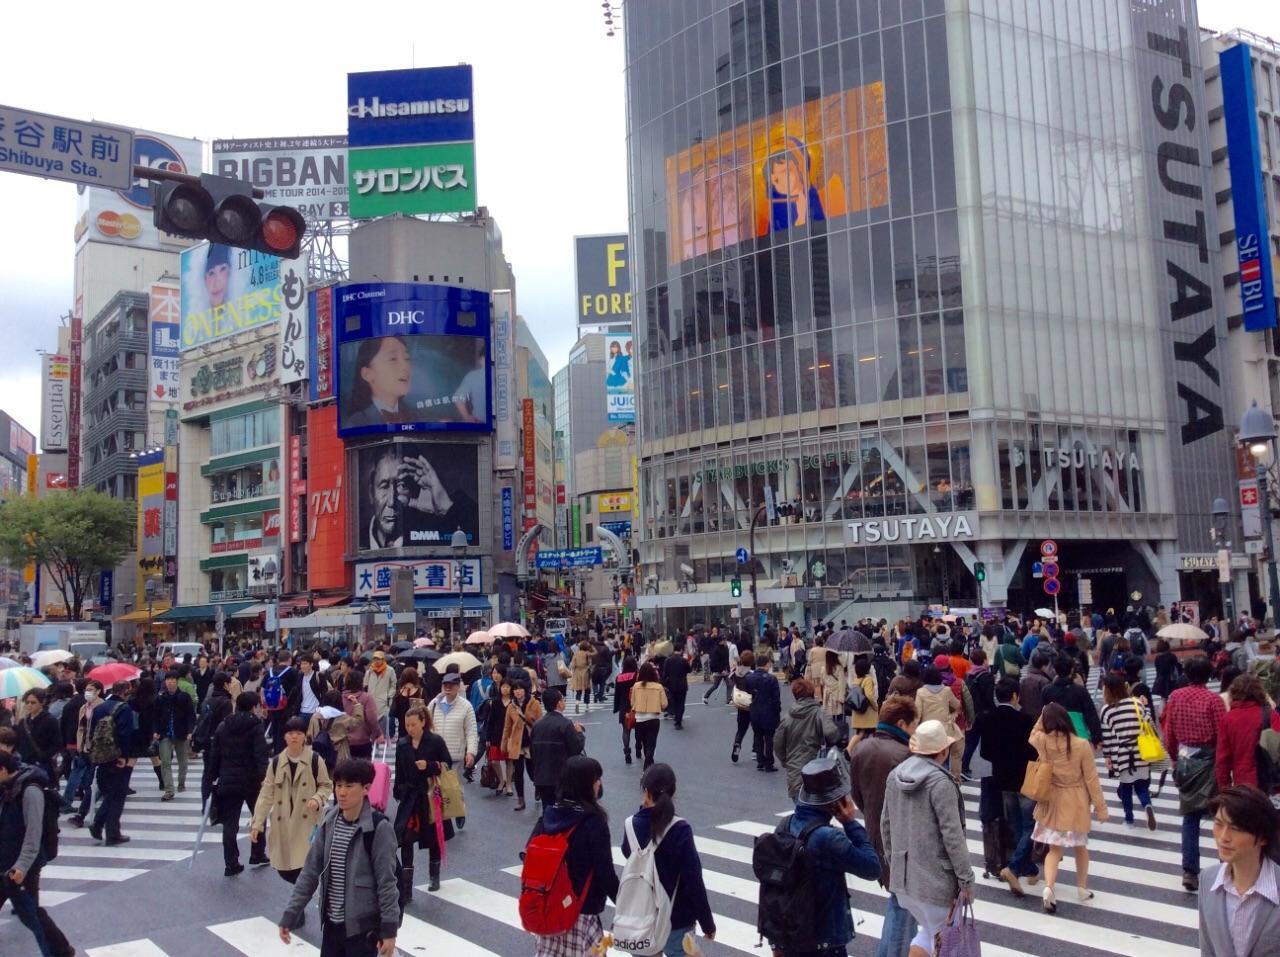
[[1004, 736], [1239, 900]]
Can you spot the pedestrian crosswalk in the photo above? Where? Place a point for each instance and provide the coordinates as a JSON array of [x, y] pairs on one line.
[[1139, 908]]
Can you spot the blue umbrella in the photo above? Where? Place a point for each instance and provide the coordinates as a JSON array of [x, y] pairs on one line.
[[15, 682]]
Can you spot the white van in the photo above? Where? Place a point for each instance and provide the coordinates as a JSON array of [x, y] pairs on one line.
[[180, 648]]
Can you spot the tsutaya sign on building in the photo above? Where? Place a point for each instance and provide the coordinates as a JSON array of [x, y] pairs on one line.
[[1079, 457], [939, 527]]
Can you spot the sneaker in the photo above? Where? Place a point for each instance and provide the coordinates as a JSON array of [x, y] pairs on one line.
[[255, 861], [181, 788], [1011, 879], [167, 796], [96, 834], [1049, 900], [117, 840], [1151, 818], [232, 870]]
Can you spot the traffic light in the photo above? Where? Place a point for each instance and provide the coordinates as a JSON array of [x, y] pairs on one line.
[[223, 210], [980, 571], [735, 587]]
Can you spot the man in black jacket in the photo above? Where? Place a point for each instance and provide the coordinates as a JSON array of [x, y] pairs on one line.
[[219, 707], [981, 683], [553, 741], [174, 721], [675, 678], [1005, 733], [1074, 697], [237, 764], [39, 734], [719, 667]]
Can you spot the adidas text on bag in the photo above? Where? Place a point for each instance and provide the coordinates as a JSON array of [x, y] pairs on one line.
[[548, 905], [642, 914]]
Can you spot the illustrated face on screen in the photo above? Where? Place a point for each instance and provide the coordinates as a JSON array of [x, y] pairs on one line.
[[388, 372]]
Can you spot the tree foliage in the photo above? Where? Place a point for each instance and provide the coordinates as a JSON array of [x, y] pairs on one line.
[[74, 534]]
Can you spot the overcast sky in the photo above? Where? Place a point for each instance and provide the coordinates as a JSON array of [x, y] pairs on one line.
[[549, 112]]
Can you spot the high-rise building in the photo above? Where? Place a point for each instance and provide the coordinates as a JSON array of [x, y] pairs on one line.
[[17, 447], [932, 280]]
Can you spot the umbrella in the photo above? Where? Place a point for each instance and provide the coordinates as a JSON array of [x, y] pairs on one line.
[[423, 642], [416, 656], [465, 661], [508, 629], [9, 663], [55, 656], [15, 682], [116, 671], [842, 640], [1045, 613], [1176, 632], [479, 638], [401, 645]]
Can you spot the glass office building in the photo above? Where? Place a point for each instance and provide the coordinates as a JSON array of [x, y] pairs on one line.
[[926, 272]]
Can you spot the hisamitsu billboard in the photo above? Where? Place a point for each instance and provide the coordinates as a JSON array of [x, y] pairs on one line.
[[397, 107]]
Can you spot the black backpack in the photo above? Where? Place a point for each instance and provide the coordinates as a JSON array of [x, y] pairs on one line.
[[202, 734], [37, 778], [787, 914], [404, 875]]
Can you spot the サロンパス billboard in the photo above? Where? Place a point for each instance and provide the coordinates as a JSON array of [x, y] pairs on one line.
[[412, 357], [227, 290], [413, 494]]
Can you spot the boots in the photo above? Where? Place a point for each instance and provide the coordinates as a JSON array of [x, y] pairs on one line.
[[433, 871], [159, 776], [737, 746], [406, 886], [627, 754]]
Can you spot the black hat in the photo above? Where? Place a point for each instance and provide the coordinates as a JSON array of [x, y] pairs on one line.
[[824, 782], [219, 255]]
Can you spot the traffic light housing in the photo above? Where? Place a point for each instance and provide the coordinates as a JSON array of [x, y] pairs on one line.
[[223, 210], [980, 571], [735, 587]]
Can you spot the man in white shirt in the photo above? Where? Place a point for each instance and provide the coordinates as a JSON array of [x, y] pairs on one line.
[[453, 718], [1240, 901]]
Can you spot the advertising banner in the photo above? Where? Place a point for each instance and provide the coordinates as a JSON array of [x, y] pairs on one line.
[[264, 570], [530, 437], [569, 557], [170, 516], [54, 422], [73, 439], [242, 372], [508, 518], [320, 352], [415, 494], [308, 173], [164, 318], [412, 357], [326, 510], [619, 380], [106, 589], [504, 386], [431, 576], [427, 105], [613, 502], [151, 486], [1250, 510], [422, 178], [124, 217], [293, 320], [21, 442], [227, 290], [1248, 197], [604, 279]]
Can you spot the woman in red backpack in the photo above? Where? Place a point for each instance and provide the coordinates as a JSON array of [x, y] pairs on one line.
[[583, 827]]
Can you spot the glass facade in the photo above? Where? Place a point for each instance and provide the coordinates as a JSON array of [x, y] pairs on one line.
[[882, 296], [250, 431]]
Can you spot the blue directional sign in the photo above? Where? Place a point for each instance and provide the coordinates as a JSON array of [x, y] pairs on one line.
[[569, 557], [742, 555], [56, 147]]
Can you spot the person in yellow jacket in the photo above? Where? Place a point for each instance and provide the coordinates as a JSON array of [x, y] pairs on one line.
[[292, 798]]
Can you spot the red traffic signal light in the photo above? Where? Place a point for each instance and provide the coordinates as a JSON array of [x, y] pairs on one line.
[[223, 210]]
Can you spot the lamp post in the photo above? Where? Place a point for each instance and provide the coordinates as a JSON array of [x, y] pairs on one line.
[[1258, 436], [271, 578], [459, 545], [1221, 513]]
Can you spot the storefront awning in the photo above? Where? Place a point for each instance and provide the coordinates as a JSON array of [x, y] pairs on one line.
[[202, 612], [139, 617], [472, 603], [253, 611]]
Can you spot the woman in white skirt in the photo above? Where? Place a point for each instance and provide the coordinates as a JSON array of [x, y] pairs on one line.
[[1063, 820]]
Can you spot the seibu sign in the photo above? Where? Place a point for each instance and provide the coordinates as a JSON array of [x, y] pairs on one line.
[[939, 527]]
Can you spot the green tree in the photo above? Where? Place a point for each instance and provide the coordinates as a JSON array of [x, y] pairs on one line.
[[74, 534]]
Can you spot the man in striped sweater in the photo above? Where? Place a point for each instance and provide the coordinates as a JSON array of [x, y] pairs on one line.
[[453, 718]]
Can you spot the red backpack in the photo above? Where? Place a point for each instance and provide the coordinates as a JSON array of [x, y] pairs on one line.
[[548, 905]]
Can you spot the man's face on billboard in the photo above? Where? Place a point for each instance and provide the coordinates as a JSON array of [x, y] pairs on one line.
[[216, 279], [385, 510], [389, 373]]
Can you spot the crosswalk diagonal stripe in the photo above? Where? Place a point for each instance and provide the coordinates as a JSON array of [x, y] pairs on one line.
[[260, 937], [130, 948]]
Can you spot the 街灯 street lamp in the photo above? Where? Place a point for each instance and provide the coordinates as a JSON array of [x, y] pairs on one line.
[[459, 545], [1258, 437], [1221, 513]]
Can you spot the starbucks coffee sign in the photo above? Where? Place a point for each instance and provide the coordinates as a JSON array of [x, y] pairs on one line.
[[907, 530]]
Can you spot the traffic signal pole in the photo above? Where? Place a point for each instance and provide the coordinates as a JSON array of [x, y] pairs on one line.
[[154, 174], [755, 603]]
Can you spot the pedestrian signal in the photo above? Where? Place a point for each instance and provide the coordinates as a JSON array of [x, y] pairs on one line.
[[980, 571], [735, 588]]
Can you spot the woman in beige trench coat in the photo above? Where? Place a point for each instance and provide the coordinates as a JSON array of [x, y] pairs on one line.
[[1063, 820], [580, 679], [293, 795]]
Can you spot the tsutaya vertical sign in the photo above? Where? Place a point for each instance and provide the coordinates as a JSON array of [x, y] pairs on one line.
[[504, 413], [1170, 91]]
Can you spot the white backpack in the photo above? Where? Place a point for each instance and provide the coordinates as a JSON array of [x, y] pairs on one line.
[[642, 914]]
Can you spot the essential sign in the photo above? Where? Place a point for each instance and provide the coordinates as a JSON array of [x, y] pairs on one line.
[[56, 147], [54, 412]]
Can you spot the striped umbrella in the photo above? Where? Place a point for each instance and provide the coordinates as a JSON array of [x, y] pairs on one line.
[[8, 663], [15, 682]]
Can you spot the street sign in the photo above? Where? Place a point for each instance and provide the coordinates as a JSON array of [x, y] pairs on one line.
[[220, 622], [770, 505], [1052, 586], [1224, 565], [742, 555], [56, 147], [1050, 569], [1037, 569], [1086, 591], [1048, 548]]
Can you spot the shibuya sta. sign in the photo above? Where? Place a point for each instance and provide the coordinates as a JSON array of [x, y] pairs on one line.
[[939, 527]]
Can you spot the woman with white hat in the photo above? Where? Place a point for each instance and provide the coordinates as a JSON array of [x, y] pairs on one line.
[[924, 811]]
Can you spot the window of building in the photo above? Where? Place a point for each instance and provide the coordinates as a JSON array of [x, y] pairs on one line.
[[241, 432], [251, 481]]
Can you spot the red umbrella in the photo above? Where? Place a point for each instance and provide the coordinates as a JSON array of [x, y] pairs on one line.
[[109, 674]]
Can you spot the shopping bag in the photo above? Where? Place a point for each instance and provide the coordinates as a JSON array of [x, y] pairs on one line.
[[452, 805], [959, 937], [489, 777], [1038, 782], [1194, 776], [380, 790], [1150, 747]]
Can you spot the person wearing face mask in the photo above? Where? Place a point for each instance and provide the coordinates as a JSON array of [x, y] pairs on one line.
[[83, 784]]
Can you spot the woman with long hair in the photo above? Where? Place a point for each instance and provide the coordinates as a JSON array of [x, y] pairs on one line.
[[143, 704], [494, 727], [741, 699], [408, 690], [1062, 820], [648, 701], [522, 712], [679, 867], [622, 686], [1168, 669], [580, 679], [1250, 713], [420, 757], [589, 856], [1122, 716]]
